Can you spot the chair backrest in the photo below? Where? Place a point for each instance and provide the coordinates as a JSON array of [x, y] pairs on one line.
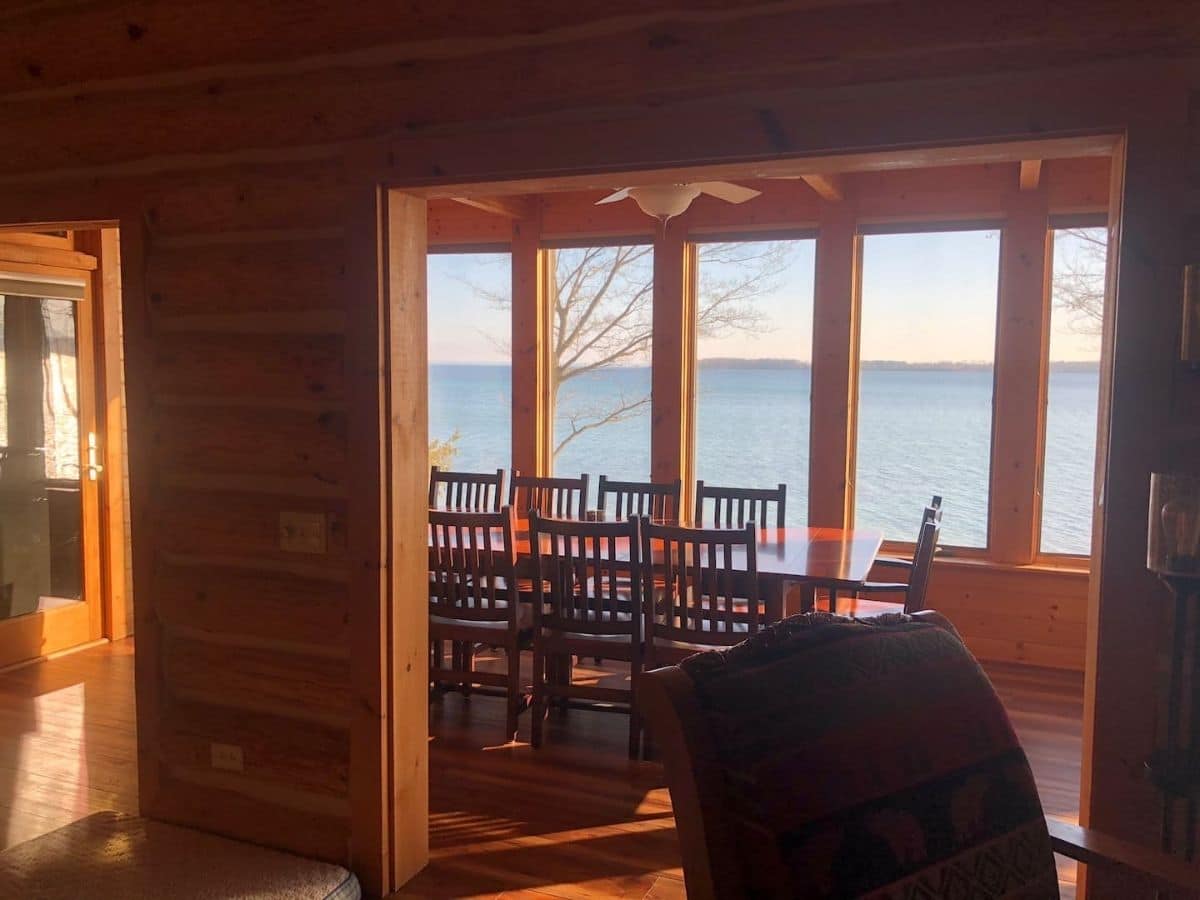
[[734, 507], [803, 763], [562, 498], [587, 576], [922, 567], [700, 584], [466, 491], [639, 498], [472, 561]]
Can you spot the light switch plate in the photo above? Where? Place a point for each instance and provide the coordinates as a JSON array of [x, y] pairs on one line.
[[227, 757], [302, 532]]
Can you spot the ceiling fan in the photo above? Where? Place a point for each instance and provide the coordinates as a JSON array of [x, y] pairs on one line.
[[666, 200]]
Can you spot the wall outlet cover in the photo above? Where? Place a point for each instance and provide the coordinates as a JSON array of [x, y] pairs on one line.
[[302, 532]]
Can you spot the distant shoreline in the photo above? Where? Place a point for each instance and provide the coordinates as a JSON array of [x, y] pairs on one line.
[[876, 365]]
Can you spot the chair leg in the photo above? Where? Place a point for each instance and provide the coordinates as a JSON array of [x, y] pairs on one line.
[[513, 654], [537, 708], [635, 719]]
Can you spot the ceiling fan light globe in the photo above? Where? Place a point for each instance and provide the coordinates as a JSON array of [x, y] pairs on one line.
[[663, 201]]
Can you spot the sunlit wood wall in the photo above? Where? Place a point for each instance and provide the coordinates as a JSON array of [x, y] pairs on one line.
[[238, 144]]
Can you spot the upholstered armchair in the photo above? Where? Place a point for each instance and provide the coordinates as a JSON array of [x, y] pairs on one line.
[[830, 757]]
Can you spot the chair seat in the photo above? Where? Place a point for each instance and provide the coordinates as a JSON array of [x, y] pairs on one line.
[[524, 621]]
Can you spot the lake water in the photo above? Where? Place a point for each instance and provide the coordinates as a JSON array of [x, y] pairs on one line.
[[920, 432]]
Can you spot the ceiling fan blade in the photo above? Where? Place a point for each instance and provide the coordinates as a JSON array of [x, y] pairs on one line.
[[613, 198], [730, 193]]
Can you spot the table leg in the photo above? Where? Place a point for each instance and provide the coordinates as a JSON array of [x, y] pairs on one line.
[[808, 599]]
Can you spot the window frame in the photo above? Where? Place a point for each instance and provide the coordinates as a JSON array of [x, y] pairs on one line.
[[1063, 222], [863, 230], [547, 262], [694, 239]]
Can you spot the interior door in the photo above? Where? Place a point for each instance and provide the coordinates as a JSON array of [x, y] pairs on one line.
[[49, 498]]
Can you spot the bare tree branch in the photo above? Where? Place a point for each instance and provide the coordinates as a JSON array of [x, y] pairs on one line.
[[1079, 277], [602, 313]]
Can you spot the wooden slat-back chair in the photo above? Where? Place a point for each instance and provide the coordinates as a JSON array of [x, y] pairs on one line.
[[696, 592], [562, 498], [733, 507], [466, 491], [586, 604], [912, 592], [771, 757], [639, 498], [933, 510], [473, 599]]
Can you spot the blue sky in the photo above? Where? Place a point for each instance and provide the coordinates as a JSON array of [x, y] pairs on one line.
[[925, 298]]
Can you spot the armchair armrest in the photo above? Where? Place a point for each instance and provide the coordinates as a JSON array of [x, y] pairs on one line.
[[1144, 864]]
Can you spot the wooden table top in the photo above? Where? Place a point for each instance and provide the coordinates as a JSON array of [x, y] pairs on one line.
[[826, 556]]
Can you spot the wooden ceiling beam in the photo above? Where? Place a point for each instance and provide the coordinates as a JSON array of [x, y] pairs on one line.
[[1031, 174], [827, 185], [509, 207]]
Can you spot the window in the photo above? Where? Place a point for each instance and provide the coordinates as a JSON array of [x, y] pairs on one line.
[[601, 325], [470, 380], [1073, 392], [754, 354], [927, 347]]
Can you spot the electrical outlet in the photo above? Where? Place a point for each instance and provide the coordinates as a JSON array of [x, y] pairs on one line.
[[302, 532], [227, 757]]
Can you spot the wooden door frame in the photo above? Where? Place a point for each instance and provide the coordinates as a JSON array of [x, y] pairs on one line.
[[45, 633]]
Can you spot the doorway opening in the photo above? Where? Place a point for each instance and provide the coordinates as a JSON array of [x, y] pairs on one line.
[[1015, 574]]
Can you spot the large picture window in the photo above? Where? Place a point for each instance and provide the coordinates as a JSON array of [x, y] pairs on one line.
[[470, 361], [927, 348], [1073, 392], [601, 311], [754, 308]]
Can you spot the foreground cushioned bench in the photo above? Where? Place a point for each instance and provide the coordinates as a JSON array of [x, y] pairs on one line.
[[109, 855]]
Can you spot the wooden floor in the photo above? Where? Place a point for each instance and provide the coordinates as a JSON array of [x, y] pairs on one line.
[[573, 820]]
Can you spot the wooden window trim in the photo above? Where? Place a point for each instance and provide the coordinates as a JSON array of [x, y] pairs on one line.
[[466, 249]]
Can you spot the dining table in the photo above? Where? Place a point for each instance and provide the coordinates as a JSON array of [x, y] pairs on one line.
[[809, 558]]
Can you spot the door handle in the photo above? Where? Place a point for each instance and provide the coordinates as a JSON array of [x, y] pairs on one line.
[[94, 468]]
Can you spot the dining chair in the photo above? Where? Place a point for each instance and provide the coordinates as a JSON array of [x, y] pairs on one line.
[[699, 588], [466, 491], [563, 498], [913, 591], [733, 507], [586, 603], [771, 754], [933, 510], [473, 600], [640, 498]]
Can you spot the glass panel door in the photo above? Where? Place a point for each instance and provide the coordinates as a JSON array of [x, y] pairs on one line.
[[47, 488]]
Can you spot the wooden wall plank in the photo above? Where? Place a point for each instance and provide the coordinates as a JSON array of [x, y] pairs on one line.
[[265, 605], [307, 756], [245, 525], [247, 276], [290, 685], [290, 443], [230, 813], [263, 369]]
